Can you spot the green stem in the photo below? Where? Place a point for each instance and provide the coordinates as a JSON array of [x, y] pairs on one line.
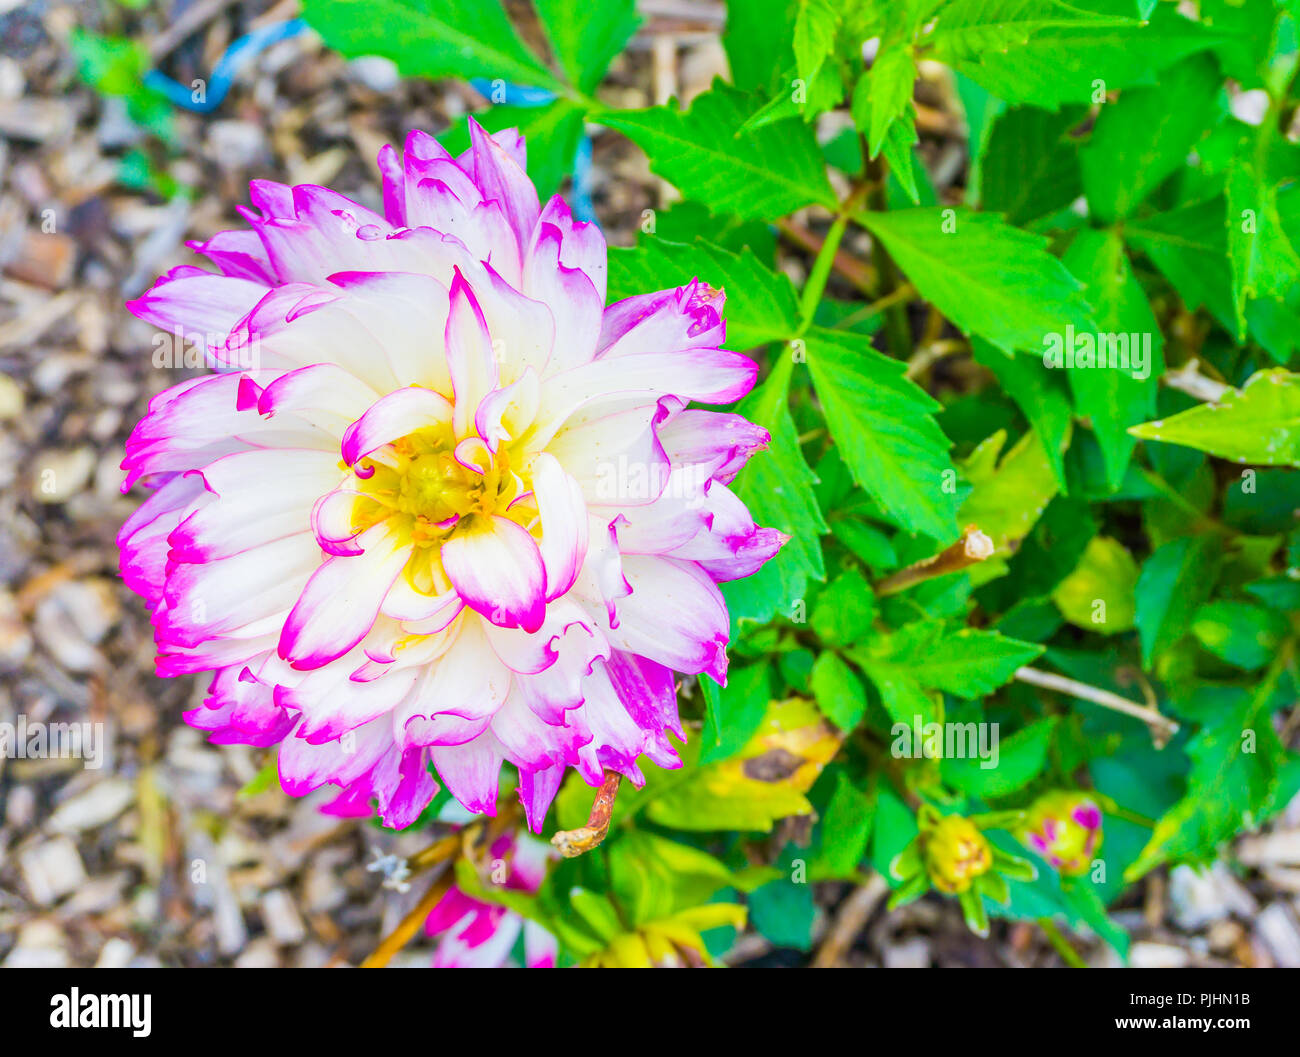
[[1060, 944], [898, 332], [813, 289]]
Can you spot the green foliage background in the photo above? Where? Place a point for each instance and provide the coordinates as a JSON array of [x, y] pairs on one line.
[[1146, 539]]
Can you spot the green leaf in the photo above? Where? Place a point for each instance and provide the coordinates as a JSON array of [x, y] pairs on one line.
[[757, 41], [1112, 398], [838, 691], [430, 38], [653, 877], [1006, 501], [882, 424], [766, 172], [782, 911], [919, 658], [890, 81], [974, 911], [1190, 247], [1068, 56], [815, 27], [882, 110], [586, 36], [1265, 263], [761, 304], [1018, 760], [1139, 141], [1236, 759], [844, 610], [988, 278], [777, 486], [1043, 398], [597, 912], [1175, 580], [1099, 594], [1259, 423], [970, 29], [969, 664], [846, 825], [1242, 634], [733, 713], [1030, 165]]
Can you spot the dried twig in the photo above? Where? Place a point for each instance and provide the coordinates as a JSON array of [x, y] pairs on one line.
[[851, 916], [1162, 727], [972, 548], [1188, 379], [575, 842]]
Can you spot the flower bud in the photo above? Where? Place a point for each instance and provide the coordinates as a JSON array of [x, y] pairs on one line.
[[956, 852], [1065, 829]]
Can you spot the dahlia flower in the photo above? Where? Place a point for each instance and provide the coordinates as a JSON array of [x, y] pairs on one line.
[[439, 507], [478, 935]]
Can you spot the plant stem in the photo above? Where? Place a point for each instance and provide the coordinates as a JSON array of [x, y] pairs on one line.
[[904, 293], [852, 269], [973, 547], [1060, 944], [898, 331], [410, 924], [575, 842], [821, 272], [1162, 727]]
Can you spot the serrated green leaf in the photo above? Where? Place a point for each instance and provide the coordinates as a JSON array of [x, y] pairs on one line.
[[1076, 60], [587, 36], [1030, 165], [1112, 398], [845, 826], [882, 423], [766, 172], [1190, 247], [777, 486], [1175, 580], [1042, 396], [844, 610], [1140, 140], [1265, 262], [1007, 500], [430, 38], [757, 40], [1236, 760], [985, 276]]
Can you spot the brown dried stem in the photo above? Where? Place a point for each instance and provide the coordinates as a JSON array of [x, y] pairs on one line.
[[575, 842], [973, 547]]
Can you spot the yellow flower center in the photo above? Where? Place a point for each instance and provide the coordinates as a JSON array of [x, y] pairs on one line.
[[427, 495]]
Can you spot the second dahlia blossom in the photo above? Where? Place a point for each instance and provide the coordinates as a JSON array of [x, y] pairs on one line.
[[440, 507]]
